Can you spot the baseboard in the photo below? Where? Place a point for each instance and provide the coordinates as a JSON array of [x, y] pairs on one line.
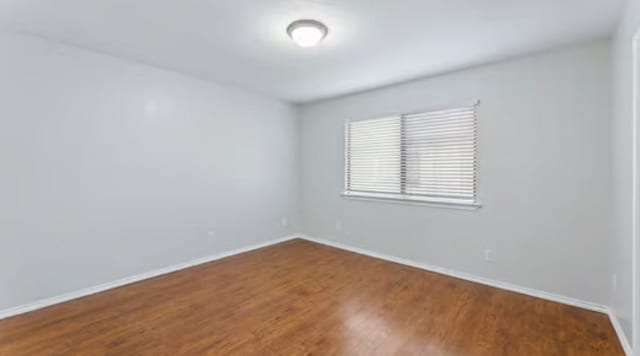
[[489, 282], [466, 276], [43, 303], [445, 271], [626, 345]]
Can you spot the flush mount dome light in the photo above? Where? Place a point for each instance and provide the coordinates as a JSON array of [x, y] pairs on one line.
[[307, 33]]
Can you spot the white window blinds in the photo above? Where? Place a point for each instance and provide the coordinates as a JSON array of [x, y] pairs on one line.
[[427, 157]]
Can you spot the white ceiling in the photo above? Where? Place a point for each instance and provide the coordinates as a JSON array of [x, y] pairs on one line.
[[371, 43]]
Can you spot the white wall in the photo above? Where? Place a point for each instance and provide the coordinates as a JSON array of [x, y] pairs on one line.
[[544, 174], [111, 168], [622, 299]]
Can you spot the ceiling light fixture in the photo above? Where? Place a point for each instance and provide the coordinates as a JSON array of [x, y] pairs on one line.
[[307, 33]]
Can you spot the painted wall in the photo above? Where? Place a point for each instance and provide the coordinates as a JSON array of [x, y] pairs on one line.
[[111, 168], [544, 174], [622, 297]]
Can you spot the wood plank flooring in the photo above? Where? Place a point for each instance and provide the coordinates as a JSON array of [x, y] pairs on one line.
[[301, 298]]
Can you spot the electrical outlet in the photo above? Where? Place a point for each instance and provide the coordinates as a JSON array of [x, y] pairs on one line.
[[614, 282], [284, 221], [488, 255], [338, 225], [211, 233]]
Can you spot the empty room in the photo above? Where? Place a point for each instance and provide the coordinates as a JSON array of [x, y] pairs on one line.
[[320, 177]]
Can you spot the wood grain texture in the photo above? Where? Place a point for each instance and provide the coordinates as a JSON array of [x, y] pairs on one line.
[[301, 298]]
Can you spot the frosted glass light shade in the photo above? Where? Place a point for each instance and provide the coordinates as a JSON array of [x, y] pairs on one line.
[[307, 33]]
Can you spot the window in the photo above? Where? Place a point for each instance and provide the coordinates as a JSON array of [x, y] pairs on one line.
[[427, 157]]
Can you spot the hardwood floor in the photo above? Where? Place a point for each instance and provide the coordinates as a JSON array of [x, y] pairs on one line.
[[301, 298]]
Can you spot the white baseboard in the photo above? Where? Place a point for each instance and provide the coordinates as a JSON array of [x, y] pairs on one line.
[[626, 345], [43, 303], [466, 276], [441, 270], [449, 272], [489, 282]]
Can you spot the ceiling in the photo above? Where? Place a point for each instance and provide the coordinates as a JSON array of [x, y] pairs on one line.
[[371, 43]]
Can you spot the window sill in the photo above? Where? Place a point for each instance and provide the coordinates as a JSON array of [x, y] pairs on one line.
[[396, 199]]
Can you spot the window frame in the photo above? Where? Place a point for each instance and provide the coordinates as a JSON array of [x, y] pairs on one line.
[[408, 199]]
